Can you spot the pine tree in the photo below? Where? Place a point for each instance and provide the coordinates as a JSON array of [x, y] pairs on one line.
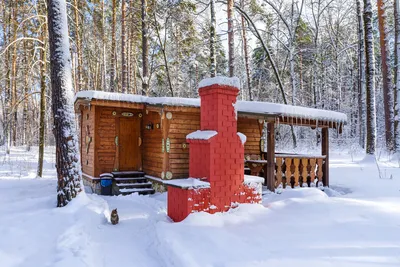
[[231, 39], [386, 74], [67, 150], [145, 50], [397, 75]]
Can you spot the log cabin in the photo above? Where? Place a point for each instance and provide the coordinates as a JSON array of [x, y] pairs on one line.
[[142, 141]]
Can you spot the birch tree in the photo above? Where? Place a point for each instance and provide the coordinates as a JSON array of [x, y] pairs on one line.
[[370, 79], [361, 75]]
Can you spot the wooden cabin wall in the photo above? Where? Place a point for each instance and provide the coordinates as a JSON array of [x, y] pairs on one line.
[[87, 122], [105, 140], [181, 124], [253, 131], [152, 139]]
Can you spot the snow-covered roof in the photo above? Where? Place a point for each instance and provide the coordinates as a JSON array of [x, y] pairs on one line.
[[254, 107]]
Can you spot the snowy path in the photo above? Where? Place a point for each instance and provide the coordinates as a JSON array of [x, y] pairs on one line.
[[359, 225]]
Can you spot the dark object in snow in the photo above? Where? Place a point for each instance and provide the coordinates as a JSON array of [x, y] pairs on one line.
[[114, 217], [106, 185]]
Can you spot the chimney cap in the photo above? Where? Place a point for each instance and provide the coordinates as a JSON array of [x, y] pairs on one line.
[[220, 80]]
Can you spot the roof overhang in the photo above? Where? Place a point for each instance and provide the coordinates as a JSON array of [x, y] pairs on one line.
[[270, 112]]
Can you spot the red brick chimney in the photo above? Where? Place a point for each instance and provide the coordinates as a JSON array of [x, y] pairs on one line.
[[216, 155]]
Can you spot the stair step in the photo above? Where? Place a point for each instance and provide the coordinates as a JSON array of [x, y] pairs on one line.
[[125, 174], [135, 185], [130, 179], [141, 191]]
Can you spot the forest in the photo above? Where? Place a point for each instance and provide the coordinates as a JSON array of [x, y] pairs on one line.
[[339, 55]]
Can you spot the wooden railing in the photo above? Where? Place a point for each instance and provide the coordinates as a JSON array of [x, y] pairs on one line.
[[298, 170]]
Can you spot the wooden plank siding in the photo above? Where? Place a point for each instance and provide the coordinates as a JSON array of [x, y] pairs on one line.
[[106, 131], [105, 136], [152, 140]]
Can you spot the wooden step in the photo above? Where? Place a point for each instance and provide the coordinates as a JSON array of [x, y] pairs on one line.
[[135, 185], [131, 179], [124, 174], [140, 191]]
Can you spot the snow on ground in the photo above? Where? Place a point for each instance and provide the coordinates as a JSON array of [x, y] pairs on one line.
[[354, 223]]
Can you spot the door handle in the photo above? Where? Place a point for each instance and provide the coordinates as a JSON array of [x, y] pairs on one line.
[[139, 141], [116, 140]]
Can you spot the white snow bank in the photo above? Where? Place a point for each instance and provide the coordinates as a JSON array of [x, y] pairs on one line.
[[201, 135], [253, 179], [221, 80], [256, 107], [189, 183], [242, 137], [300, 227]]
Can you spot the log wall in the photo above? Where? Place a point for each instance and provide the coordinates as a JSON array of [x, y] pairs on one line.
[[253, 131], [181, 124], [156, 162], [152, 154], [105, 140]]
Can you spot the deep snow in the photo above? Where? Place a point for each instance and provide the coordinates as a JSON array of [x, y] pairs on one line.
[[356, 222]]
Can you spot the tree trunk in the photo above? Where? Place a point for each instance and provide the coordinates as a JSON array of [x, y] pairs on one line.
[[78, 46], [361, 76], [145, 50], [25, 100], [213, 56], [162, 46], [278, 78], [123, 48], [113, 46], [386, 75], [397, 75], [42, 122], [67, 149], [231, 39], [7, 97], [246, 53], [14, 72], [104, 74], [370, 79]]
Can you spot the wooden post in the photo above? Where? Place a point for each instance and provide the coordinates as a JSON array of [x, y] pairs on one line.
[[325, 152], [269, 171]]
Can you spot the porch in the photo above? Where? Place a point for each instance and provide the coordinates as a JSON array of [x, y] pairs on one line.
[[282, 170]]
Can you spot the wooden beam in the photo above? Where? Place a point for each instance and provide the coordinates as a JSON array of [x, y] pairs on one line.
[[165, 125], [116, 104], [269, 170], [182, 109], [325, 152]]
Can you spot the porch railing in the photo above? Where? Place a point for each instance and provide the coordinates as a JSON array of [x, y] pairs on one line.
[[298, 170]]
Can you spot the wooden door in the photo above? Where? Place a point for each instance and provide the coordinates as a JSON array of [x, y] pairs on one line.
[[129, 153]]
